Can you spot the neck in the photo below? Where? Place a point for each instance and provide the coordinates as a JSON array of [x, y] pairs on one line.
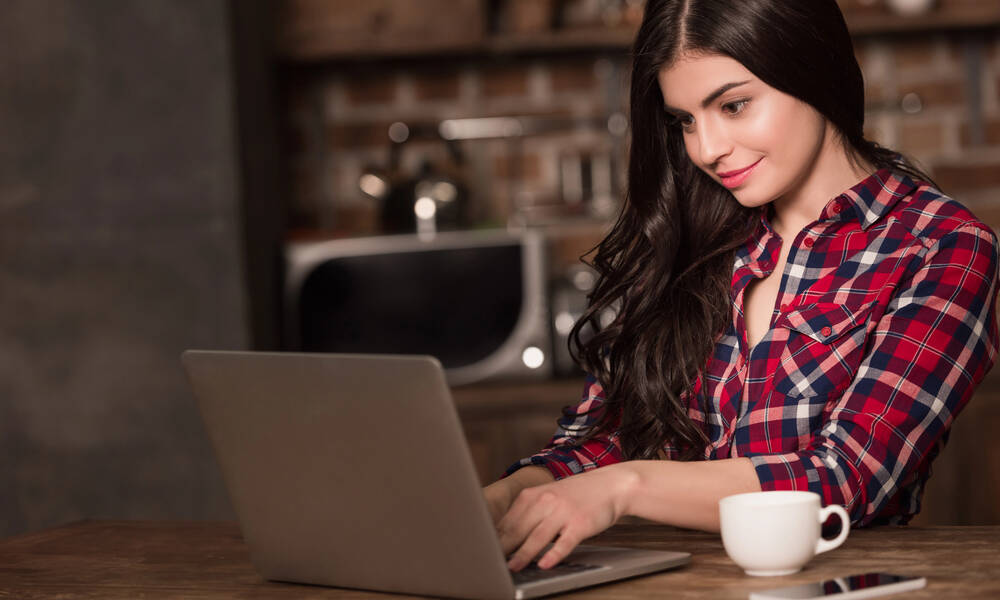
[[831, 174]]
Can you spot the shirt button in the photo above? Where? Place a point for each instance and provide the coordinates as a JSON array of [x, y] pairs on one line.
[[837, 208], [808, 242], [826, 331]]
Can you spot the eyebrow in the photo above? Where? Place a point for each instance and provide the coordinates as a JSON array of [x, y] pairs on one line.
[[711, 97]]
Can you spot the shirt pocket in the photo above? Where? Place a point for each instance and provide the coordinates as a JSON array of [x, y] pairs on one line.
[[826, 343]]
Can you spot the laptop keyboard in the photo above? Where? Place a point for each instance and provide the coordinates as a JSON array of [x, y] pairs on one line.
[[532, 572]]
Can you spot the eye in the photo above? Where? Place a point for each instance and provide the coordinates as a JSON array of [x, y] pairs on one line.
[[736, 106], [685, 122]]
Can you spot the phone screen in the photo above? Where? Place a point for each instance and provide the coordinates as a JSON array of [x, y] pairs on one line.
[[832, 587], [860, 582]]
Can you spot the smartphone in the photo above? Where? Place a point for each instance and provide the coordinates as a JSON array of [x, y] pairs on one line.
[[867, 585]]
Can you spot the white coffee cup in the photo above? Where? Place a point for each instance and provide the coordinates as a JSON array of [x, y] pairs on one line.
[[777, 533]]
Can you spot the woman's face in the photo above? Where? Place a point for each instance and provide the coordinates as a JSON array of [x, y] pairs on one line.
[[758, 142]]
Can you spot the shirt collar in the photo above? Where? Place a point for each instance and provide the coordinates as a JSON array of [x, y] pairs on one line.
[[869, 201], [871, 198]]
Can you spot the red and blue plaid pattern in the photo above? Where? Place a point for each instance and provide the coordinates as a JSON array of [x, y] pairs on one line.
[[884, 324]]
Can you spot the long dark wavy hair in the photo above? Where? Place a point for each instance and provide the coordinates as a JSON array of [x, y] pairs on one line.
[[665, 268]]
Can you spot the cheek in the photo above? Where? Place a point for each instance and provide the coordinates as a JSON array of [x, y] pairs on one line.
[[789, 128], [769, 131]]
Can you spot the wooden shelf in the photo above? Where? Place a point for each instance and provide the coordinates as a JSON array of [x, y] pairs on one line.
[[984, 15], [313, 30], [547, 395], [322, 38], [561, 40]]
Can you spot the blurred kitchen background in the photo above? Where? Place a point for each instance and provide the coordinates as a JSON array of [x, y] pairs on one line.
[[224, 174]]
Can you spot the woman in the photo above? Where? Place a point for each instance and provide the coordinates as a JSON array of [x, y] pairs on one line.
[[797, 308]]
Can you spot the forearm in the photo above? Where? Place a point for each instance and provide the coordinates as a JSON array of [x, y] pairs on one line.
[[527, 477], [685, 494], [575, 508]]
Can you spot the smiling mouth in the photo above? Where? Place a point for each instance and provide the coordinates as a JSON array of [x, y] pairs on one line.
[[736, 178], [730, 174]]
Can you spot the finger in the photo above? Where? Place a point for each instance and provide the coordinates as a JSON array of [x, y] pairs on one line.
[[512, 534], [524, 515], [568, 540], [524, 501], [539, 537]]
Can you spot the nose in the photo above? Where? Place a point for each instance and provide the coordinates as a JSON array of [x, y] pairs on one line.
[[713, 142]]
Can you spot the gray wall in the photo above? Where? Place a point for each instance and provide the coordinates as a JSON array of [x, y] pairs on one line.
[[120, 246]]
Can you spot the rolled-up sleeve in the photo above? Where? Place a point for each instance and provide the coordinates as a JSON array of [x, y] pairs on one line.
[[934, 344], [567, 453]]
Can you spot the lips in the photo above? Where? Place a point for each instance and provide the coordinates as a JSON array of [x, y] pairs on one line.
[[732, 179], [738, 171]]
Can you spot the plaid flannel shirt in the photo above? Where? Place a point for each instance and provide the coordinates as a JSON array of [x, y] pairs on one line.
[[884, 324]]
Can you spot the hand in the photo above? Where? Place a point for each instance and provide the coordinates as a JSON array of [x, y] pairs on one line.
[[499, 496], [573, 509]]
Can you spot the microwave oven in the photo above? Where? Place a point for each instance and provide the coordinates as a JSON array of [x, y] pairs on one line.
[[476, 300]]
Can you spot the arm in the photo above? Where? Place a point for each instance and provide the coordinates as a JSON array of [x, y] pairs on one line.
[[564, 455], [685, 494], [501, 494], [544, 502], [936, 341]]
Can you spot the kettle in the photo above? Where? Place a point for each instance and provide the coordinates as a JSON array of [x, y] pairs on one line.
[[433, 199]]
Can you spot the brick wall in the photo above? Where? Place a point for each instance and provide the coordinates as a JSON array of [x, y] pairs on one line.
[[338, 125], [936, 99], [932, 96]]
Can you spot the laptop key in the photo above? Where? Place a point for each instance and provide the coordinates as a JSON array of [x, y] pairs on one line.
[[532, 572]]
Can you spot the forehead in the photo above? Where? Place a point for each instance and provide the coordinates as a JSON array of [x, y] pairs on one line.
[[691, 78]]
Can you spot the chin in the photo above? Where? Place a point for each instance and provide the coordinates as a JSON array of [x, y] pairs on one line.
[[749, 200]]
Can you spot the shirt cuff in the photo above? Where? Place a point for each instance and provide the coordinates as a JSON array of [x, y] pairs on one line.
[[822, 474], [559, 465]]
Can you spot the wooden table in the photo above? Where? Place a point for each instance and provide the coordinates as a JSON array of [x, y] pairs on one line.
[[133, 559]]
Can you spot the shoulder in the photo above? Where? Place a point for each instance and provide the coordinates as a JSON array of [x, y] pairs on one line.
[[932, 216]]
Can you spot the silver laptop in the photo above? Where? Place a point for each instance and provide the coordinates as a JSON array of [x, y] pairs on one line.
[[353, 471]]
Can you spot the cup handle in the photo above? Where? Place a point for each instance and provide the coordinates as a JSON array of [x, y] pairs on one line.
[[823, 544]]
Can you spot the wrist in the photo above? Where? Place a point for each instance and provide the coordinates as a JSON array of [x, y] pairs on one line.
[[627, 486], [526, 477]]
